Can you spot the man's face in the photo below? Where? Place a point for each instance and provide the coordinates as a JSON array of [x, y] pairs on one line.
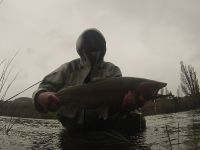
[[93, 55], [91, 45]]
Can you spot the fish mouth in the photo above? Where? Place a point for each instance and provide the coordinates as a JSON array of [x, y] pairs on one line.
[[149, 90]]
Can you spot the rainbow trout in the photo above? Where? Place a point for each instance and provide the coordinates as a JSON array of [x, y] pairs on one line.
[[108, 92]]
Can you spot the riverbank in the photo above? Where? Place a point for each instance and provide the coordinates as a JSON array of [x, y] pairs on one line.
[[23, 107], [171, 105]]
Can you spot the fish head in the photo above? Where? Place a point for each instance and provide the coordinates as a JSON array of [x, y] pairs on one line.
[[148, 90]]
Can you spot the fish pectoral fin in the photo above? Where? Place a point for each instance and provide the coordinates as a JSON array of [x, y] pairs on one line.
[[102, 112]]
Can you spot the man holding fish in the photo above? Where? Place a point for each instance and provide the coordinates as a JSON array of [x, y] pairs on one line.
[[78, 90]]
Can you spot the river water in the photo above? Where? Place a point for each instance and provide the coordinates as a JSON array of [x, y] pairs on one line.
[[169, 131]]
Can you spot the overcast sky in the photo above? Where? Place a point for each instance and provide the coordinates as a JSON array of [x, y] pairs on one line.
[[145, 38]]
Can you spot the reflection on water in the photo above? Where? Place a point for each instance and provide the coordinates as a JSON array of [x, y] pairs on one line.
[[183, 130], [89, 142]]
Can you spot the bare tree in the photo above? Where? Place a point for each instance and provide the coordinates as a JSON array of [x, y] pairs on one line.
[[189, 81]]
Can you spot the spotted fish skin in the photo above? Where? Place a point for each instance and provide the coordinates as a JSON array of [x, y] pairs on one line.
[[108, 92]]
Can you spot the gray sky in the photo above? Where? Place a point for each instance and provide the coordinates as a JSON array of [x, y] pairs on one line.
[[145, 38]]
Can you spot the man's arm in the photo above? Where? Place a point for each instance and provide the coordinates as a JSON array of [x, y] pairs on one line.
[[116, 72], [44, 97]]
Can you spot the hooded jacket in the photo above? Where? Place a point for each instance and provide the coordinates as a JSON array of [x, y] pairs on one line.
[[77, 72]]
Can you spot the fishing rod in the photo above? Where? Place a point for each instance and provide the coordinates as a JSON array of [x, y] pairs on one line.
[[23, 90]]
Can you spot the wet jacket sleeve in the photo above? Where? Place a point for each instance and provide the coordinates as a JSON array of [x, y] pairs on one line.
[[53, 82], [116, 72], [113, 71]]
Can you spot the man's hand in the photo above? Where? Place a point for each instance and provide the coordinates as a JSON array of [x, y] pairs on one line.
[[49, 101], [132, 100], [129, 100]]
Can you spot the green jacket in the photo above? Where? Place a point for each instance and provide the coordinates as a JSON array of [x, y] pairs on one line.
[[74, 73]]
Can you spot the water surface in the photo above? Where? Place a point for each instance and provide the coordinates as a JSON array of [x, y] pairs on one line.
[[161, 133]]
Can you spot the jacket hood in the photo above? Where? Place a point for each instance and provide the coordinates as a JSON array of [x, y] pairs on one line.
[[91, 41]]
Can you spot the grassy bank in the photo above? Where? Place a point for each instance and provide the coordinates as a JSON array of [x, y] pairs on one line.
[[22, 107]]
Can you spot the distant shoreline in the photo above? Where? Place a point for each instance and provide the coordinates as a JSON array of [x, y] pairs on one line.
[[23, 107]]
